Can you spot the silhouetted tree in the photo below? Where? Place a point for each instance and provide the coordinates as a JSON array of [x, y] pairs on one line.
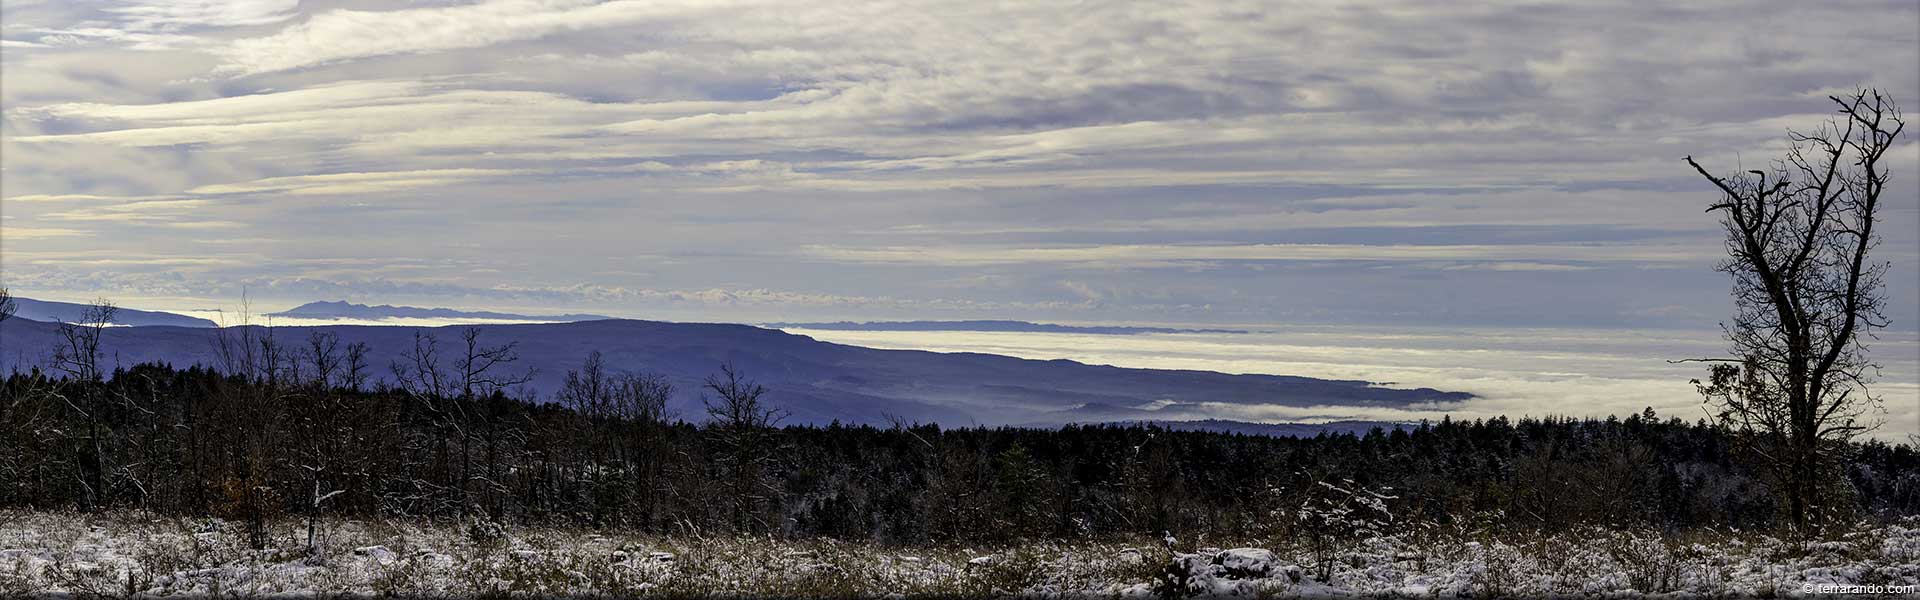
[[78, 356], [742, 420], [1806, 293], [354, 372]]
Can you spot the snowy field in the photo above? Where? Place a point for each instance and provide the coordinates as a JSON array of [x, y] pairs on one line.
[[132, 554]]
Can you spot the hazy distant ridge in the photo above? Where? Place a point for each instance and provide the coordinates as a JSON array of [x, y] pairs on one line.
[[67, 312], [1012, 326], [818, 382], [349, 310]]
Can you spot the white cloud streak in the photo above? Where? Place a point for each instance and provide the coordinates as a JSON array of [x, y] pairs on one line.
[[339, 35]]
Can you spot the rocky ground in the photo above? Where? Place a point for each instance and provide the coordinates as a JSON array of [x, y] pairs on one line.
[[131, 554]]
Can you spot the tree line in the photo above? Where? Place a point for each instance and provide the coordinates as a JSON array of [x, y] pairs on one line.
[[286, 430]]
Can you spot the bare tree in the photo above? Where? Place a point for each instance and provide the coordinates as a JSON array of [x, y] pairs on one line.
[[484, 370], [642, 398], [454, 397], [739, 404], [78, 353], [253, 354], [586, 390], [323, 348], [641, 402], [619, 434], [78, 356], [244, 349], [741, 421], [353, 373], [1806, 294], [589, 392], [419, 373], [596, 393]]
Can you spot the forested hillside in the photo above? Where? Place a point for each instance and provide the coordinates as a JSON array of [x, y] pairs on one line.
[[603, 454]]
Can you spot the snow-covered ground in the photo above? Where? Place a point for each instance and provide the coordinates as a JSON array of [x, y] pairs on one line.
[[114, 553]]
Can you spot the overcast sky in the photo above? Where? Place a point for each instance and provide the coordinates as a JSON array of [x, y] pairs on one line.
[[1110, 161]]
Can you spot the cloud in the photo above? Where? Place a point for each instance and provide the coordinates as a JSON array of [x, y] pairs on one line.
[[143, 25], [162, 15], [351, 183], [1185, 160], [339, 35], [61, 198], [39, 233], [175, 212]]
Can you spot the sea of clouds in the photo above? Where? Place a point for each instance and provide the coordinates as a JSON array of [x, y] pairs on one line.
[[1513, 371]]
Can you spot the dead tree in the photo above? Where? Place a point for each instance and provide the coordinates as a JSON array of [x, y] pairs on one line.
[[424, 380], [641, 405], [353, 374], [78, 356], [318, 421], [589, 392], [323, 349], [453, 399], [485, 373], [485, 370], [1807, 295], [256, 357], [741, 421], [244, 349], [419, 374], [620, 432]]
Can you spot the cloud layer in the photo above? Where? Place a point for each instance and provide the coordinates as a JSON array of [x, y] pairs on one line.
[[1512, 372], [1378, 162]]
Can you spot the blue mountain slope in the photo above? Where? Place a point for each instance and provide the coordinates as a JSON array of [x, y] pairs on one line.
[[57, 312], [817, 381]]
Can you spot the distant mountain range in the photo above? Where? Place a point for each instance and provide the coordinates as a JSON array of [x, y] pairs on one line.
[[68, 312], [1012, 326], [818, 382], [349, 310]]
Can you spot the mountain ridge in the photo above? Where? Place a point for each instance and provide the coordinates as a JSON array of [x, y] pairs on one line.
[[341, 309], [50, 311], [817, 381]]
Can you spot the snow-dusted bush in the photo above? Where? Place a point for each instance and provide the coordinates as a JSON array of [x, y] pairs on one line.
[[1327, 516]]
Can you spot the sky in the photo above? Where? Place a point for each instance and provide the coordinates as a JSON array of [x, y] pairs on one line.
[[1365, 163]]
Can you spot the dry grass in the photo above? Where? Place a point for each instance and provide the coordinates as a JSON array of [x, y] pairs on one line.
[[118, 554]]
